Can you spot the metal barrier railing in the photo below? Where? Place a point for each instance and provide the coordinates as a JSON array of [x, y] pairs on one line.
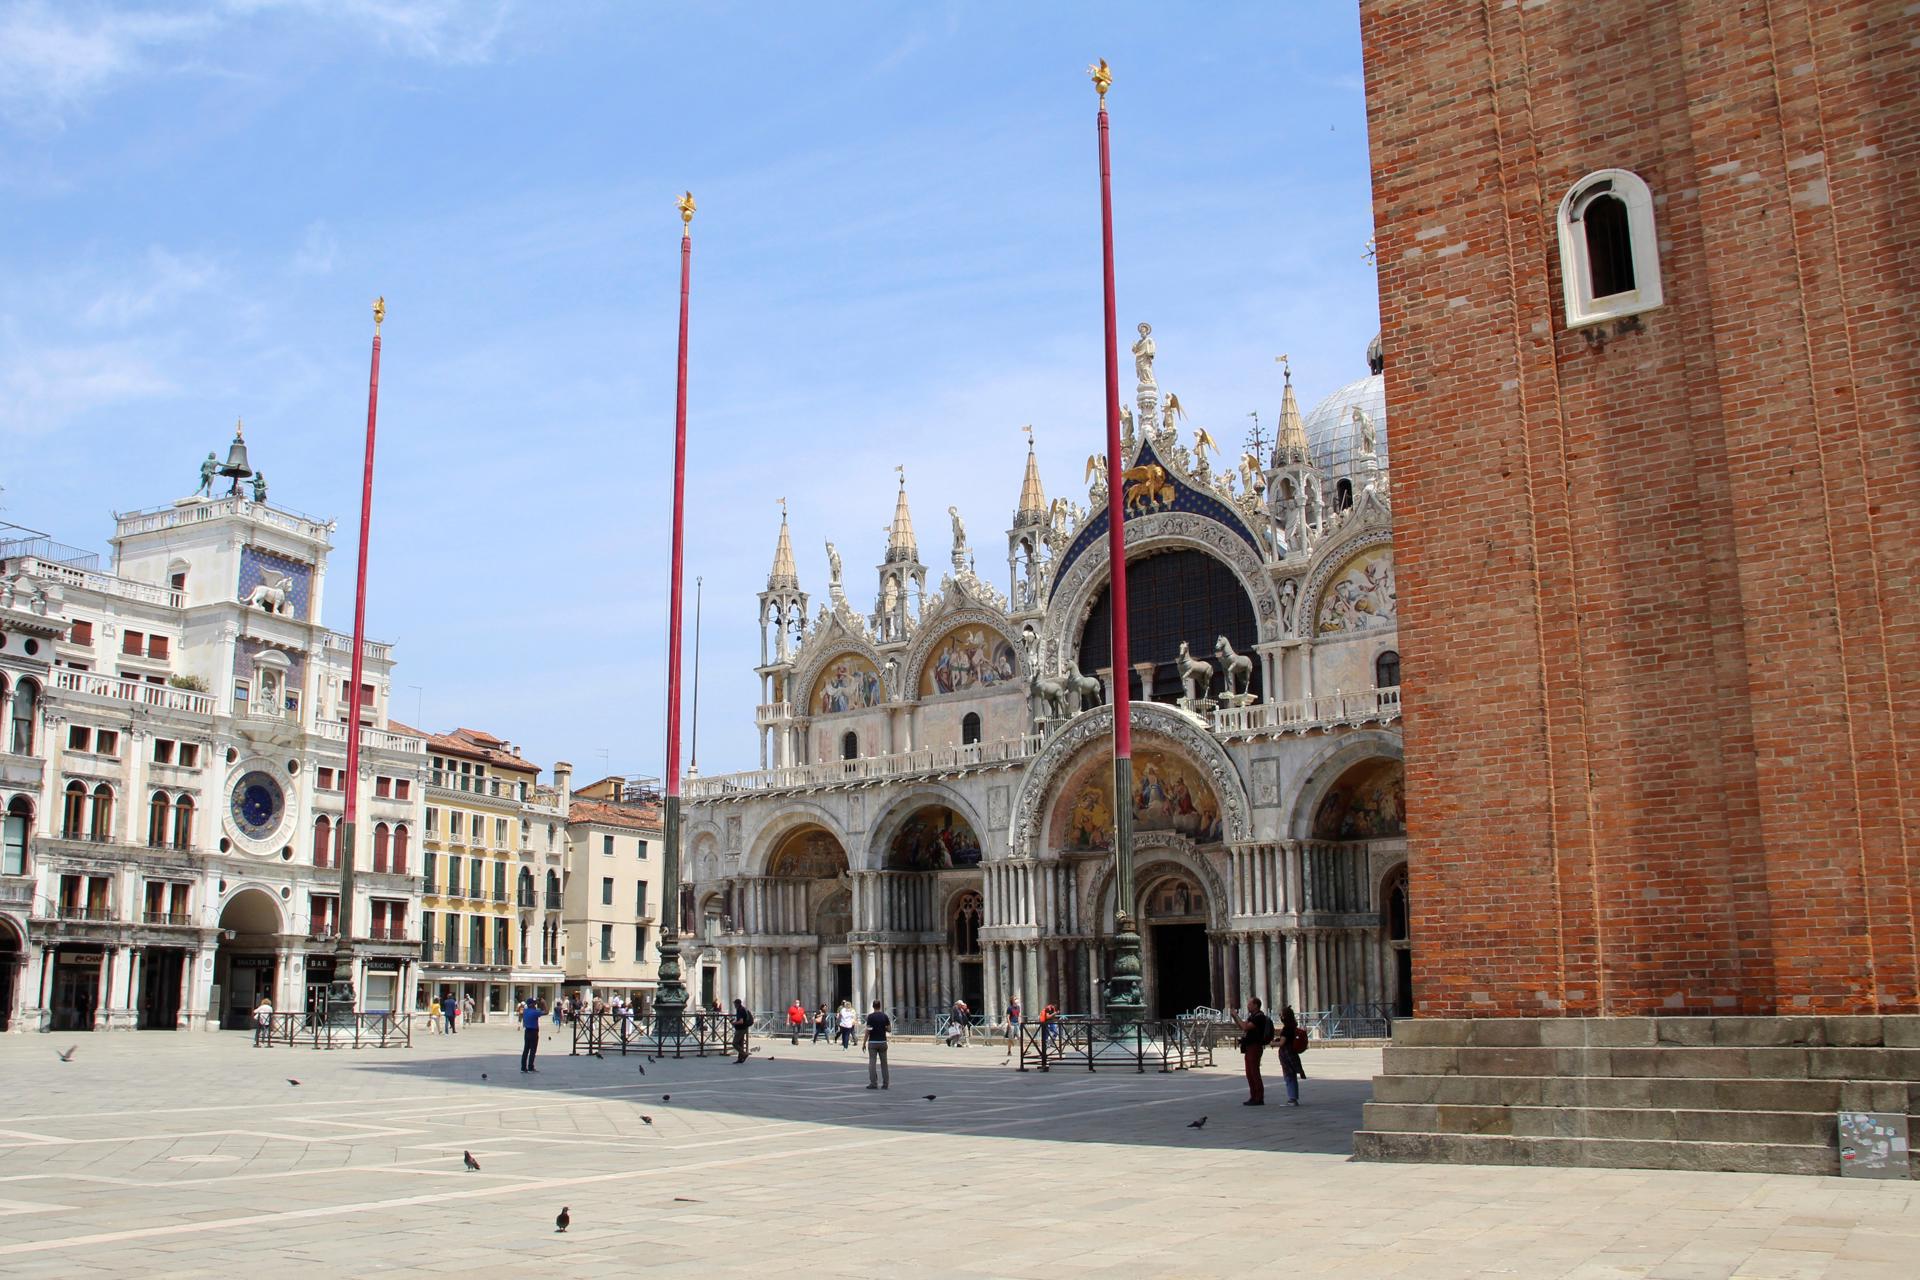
[[317, 1030], [698, 1034], [1368, 1021], [1170, 1044]]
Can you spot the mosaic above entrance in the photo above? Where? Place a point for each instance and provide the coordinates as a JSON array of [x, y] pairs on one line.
[[934, 839], [1368, 803], [1169, 795], [1361, 596], [970, 658], [809, 854], [849, 683]]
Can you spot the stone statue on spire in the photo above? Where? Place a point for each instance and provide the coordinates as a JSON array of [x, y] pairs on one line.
[[959, 540], [1143, 356], [835, 590]]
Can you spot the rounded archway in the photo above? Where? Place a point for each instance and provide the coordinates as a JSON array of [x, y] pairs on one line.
[[933, 837], [246, 966], [1174, 596], [808, 853], [1175, 959], [1366, 802], [13, 950]]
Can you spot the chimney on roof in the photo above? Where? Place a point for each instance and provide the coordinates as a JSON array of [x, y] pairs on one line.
[[563, 781]]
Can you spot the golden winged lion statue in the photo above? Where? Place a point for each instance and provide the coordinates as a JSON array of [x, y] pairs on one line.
[[1148, 488]]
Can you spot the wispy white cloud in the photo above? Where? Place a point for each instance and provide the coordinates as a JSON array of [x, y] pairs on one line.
[[52, 58], [318, 249], [459, 31], [167, 279], [43, 387]]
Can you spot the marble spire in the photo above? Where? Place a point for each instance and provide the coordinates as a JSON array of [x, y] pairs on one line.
[[785, 575], [1033, 499], [1292, 442], [901, 544]]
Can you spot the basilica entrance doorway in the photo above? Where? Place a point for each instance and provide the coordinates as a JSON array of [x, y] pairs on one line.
[[1180, 969], [842, 984]]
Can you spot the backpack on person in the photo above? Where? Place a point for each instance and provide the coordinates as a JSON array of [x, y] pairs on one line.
[[1298, 1041]]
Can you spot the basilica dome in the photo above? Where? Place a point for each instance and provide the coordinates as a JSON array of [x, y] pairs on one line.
[[1332, 436]]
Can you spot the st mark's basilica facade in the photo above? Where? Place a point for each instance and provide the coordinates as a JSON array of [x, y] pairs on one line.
[[933, 816]]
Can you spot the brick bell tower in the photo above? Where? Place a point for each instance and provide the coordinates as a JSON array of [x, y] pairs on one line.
[[1648, 269]]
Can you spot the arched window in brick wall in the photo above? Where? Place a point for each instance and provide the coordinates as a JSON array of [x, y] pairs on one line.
[[1609, 251]]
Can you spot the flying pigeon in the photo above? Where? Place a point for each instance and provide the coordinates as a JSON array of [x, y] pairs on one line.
[[471, 1163], [560, 1223], [68, 1055], [1201, 1123]]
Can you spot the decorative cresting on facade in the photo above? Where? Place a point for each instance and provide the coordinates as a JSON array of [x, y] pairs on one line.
[[1075, 590], [1169, 723], [1155, 854], [1332, 557], [934, 630]]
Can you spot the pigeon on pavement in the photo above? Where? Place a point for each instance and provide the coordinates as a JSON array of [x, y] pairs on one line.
[[1201, 1123], [646, 1119], [471, 1163], [666, 1097], [560, 1223], [931, 1096], [293, 1082]]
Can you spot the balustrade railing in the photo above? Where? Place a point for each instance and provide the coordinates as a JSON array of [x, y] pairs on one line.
[[170, 517], [1367, 706], [895, 764], [94, 685], [379, 739], [104, 583]]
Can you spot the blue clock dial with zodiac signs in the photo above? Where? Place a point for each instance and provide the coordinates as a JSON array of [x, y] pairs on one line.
[[258, 803]]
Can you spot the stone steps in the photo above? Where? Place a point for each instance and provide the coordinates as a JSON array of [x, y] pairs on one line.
[[1696, 1093], [1599, 1153], [1658, 1124], [1753, 1094]]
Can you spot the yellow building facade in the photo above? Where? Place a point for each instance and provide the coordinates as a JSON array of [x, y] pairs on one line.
[[482, 800]]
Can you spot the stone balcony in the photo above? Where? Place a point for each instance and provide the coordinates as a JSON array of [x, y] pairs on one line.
[[68, 576], [91, 684], [376, 739], [185, 514]]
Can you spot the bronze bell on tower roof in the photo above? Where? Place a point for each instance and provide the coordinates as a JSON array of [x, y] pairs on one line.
[[236, 463]]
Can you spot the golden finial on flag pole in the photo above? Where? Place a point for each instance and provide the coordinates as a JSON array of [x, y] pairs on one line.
[[686, 207], [1102, 77], [379, 313]]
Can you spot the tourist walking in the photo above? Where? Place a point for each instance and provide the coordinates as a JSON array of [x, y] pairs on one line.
[[263, 1023], [450, 1005], [796, 1018], [742, 1023], [820, 1031], [466, 1009], [1293, 1043], [878, 1076], [1256, 1033], [530, 1035], [1013, 1025], [957, 1020], [846, 1019], [433, 1016]]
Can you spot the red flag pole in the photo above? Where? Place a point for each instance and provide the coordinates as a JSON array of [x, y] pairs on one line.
[[1123, 992], [343, 947], [670, 993]]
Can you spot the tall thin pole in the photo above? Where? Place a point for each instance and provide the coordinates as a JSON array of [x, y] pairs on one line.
[[693, 752], [670, 996], [343, 947], [1123, 992]]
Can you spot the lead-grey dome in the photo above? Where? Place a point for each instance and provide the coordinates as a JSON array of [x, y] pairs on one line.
[[1332, 437]]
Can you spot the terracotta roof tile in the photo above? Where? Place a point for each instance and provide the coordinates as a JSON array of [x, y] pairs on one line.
[[472, 744], [632, 817]]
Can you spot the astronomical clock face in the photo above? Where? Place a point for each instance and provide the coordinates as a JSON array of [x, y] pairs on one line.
[[257, 804]]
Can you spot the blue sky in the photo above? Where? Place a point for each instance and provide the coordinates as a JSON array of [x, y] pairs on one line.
[[896, 261]]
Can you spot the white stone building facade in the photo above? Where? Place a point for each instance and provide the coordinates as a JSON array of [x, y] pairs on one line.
[[176, 752], [933, 815]]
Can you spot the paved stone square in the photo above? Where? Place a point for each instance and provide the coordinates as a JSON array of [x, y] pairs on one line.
[[183, 1155]]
